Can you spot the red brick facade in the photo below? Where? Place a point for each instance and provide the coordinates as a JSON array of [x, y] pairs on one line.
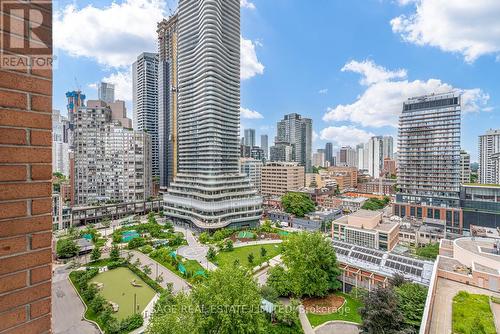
[[25, 195]]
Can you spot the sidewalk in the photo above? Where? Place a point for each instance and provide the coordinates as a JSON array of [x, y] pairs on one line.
[[168, 277]]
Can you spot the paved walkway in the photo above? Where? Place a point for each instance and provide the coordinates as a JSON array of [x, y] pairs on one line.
[[337, 328], [262, 275], [156, 268], [194, 250], [67, 307], [306, 325], [257, 242]]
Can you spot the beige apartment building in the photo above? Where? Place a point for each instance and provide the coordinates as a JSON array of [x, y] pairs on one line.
[[281, 177]]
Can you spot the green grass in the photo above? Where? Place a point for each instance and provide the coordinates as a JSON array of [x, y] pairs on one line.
[[469, 309], [348, 312], [241, 254], [117, 288], [192, 266], [429, 252]]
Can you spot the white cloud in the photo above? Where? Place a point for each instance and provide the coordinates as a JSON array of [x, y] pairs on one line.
[[371, 72], [92, 85], [315, 136], [247, 4], [114, 35], [345, 135], [123, 84], [381, 103], [468, 27], [250, 65], [323, 91], [250, 114]]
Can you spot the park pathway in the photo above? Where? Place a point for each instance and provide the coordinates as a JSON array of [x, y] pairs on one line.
[[194, 250], [67, 307], [178, 284]]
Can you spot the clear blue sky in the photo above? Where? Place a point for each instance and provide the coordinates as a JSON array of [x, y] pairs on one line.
[[348, 65]]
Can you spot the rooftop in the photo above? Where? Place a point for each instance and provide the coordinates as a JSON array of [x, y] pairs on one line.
[[384, 263]]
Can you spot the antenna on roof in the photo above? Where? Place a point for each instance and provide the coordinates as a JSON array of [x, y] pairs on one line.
[[77, 85]]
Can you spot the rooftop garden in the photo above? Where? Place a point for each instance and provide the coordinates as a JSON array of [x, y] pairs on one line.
[[471, 313]]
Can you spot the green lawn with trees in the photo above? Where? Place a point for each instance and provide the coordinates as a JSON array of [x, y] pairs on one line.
[[297, 204], [241, 255], [471, 313]]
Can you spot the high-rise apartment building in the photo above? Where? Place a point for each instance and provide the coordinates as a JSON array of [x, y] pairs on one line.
[[209, 190], [465, 170], [297, 131], [111, 163], [264, 145], [489, 148], [318, 159], [252, 168], [60, 145], [429, 159], [106, 92], [280, 177], [76, 99], [145, 101], [347, 157], [249, 137], [119, 113], [362, 151], [329, 153], [281, 151], [167, 100]]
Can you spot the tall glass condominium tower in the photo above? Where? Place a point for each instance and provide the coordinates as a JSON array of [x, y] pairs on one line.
[[429, 151], [209, 190]]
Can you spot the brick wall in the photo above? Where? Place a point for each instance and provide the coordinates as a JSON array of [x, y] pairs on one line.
[[25, 197]]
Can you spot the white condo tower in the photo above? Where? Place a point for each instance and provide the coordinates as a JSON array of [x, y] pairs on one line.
[[209, 190]]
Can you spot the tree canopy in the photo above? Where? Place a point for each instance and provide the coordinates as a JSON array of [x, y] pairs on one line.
[[297, 204], [227, 302], [311, 263], [66, 248], [375, 203], [411, 300]]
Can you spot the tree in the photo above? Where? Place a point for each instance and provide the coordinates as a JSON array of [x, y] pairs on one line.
[[97, 304], [430, 251], [411, 300], [114, 255], [287, 314], [159, 279], [66, 248], [477, 327], [175, 314], [312, 264], [269, 293], [229, 301], [297, 204], [381, 313], [211, 254], [278, 280], [229, 245], [136, 243], [397, 280], [96, 254], [263, 252], [137, 262], [250, 258], [147, 269]]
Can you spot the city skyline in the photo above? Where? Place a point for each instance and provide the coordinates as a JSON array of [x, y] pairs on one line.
[[334, 89]]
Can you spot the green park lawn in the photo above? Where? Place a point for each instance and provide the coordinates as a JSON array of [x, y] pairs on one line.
[[241, 254], [348, 312], [118, 289], [469, 309]]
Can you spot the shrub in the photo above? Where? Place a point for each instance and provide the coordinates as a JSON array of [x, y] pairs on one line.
[[132, 322], [98, 304], [146, 249], [114, 255], [136, 243]]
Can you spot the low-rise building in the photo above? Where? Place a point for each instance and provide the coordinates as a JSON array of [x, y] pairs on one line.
[[379, 186], [352, 204], [278, 178], [312, 221], [368, 229]]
